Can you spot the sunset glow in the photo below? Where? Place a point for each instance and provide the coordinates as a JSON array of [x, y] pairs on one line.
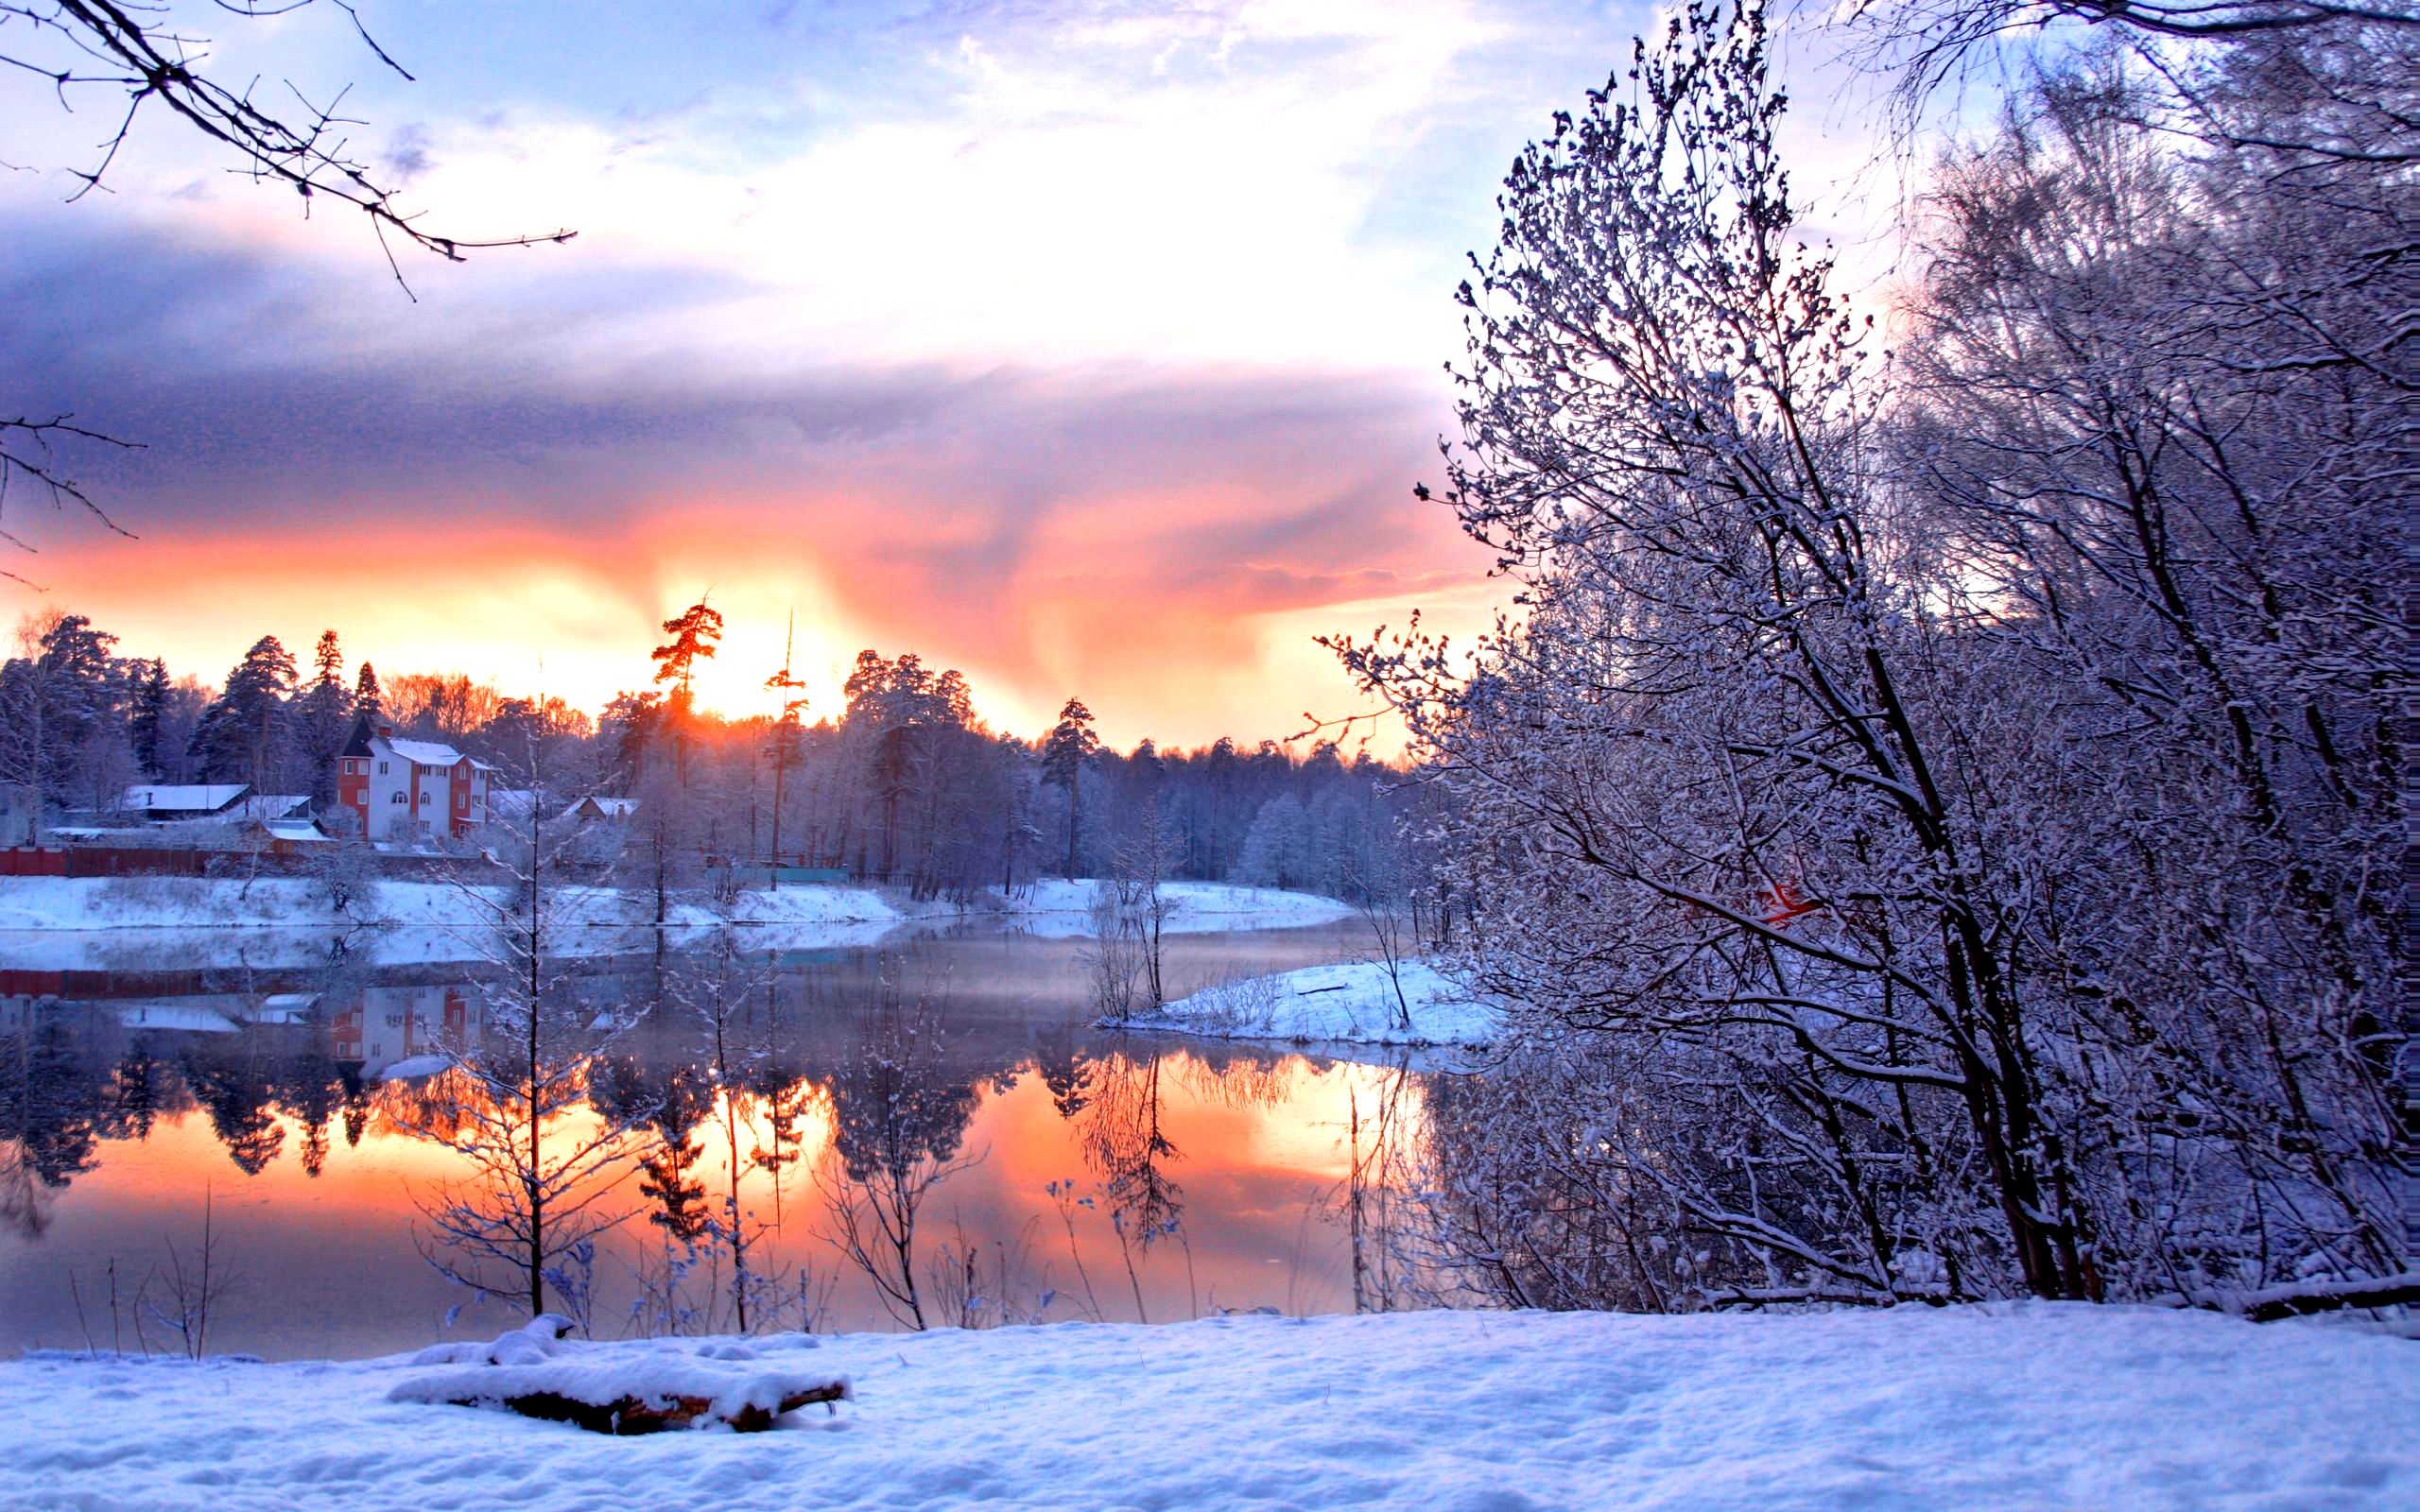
[[1089, 354]]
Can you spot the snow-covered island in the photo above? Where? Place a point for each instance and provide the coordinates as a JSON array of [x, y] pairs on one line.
[[1989, 1406], [1406, 1002]]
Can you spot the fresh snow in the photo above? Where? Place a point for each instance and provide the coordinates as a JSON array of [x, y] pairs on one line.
[[1995, 1407], [1353, 1003]]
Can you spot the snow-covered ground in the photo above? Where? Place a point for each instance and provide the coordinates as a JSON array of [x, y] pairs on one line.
[[291, 902], [1064, 909], [80, 905], [2005, 1407], [1353, 1003]]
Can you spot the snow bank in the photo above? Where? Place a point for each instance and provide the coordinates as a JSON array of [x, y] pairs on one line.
[[97, 904], [1351, 1002], [809, 904], [1062, 910], [2027, 1405]]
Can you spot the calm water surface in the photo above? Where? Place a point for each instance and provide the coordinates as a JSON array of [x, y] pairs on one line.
[[140, 1079]]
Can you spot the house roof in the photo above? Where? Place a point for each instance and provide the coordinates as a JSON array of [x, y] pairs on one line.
[[191, 798], [273, 805], [609, 808], [426, 752], [300, 830]]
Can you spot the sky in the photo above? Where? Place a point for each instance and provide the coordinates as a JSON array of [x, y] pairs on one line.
[[1091, 348]]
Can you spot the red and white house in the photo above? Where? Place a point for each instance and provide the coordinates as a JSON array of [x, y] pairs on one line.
[[411, 789]]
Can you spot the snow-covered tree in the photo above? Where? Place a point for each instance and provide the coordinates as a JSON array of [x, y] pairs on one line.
[[245, 735], [1827, 808]]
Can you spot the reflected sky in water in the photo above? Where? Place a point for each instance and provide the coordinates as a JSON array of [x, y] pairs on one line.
[[1189, 1176]]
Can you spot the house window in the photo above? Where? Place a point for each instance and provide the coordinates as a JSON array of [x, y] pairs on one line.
[[395, 797], [382, 768]]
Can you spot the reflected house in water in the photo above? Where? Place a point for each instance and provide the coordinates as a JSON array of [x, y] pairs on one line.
[[388, 1027]]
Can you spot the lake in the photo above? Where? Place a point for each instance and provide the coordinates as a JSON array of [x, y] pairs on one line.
[[946, 1081]]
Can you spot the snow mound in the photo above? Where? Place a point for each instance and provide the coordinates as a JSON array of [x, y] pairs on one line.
[[533, 1341], [1358, 1001]]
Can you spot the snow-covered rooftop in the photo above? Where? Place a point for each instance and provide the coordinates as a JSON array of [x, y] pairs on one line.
[[426, 752], [273, 805], [196, 798]]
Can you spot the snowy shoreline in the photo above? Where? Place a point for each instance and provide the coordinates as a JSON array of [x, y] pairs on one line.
[[1983, 1406], [46, 906], [1350, 1003]]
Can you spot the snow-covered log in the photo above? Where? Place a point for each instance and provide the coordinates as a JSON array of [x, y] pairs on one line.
[[535, 1371]]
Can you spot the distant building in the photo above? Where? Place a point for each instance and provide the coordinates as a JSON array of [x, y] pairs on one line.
[[599, 807], [403, 790]]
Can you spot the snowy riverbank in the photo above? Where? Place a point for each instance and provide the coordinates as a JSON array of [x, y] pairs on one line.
[[1353, 1003], [92, 903], [2004, 1406]]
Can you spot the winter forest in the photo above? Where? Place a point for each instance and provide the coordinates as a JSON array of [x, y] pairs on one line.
[[905, 785], [1868, 971], [1937, 819]]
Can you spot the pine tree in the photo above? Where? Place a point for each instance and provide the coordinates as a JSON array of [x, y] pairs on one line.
[[326, 717], [150, 684], [243, 736], [694, 634], [1069, 747], [782, 744]]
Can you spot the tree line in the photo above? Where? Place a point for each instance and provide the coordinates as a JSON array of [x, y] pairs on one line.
[[903, 784]]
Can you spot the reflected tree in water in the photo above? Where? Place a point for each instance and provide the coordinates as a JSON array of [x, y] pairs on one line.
[[135, 1090], [50, 1124], [1125, 1143], [1065, 1071], [308, 1088], [231, 1082], [897, 1126], [539, 1170], [672, 1103]]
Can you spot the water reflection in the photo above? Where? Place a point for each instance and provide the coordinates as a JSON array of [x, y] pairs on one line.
[[844, 1137]]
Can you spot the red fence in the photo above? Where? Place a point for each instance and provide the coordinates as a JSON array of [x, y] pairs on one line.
[[101, 861]]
